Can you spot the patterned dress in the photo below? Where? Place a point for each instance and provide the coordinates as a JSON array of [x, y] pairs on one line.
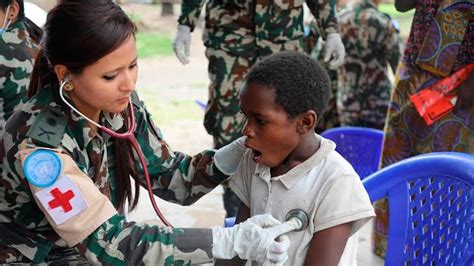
[[441, 41]]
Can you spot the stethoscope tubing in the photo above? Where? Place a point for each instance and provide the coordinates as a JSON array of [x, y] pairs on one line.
[[133, 140]]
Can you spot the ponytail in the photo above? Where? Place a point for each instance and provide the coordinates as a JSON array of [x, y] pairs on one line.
[[41, 75]]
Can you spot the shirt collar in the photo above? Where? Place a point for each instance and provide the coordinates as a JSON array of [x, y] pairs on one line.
[[84, 132], [294, 175]]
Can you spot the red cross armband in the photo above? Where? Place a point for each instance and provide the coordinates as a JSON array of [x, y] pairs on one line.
[[437, 100], [69, 199]]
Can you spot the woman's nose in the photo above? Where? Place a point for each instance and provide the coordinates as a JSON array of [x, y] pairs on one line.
[[128, 83]]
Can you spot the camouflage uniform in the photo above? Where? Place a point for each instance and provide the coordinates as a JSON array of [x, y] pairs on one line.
[[372, 42], [236, 35], [17, 53], [27, 236], [330, 118]]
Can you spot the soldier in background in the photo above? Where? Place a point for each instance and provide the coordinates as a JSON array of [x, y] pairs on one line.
[[18, 49], [361, 87], [372, 43], [239, 33]]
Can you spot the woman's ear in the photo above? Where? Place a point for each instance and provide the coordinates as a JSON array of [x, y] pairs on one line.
[[307, 121], [61, 72], [14, 11]]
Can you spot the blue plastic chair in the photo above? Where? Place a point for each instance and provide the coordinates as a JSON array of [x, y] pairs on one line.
[[229, 222], [360, 146], [430, 199]]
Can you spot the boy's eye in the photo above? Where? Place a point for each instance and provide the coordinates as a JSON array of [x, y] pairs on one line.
[[260, 121]]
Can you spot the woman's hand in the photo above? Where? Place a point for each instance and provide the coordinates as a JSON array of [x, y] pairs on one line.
[[465, 93], [404, 5]]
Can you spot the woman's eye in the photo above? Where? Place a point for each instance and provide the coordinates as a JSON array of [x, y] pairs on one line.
[[109, 77], [133, 66], [260, 121]]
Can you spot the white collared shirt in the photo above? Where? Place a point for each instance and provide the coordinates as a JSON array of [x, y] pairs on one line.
[[325, 186]]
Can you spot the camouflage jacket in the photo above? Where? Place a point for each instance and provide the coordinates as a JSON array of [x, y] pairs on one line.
[[27, 236], [372, 43], [17, 53], [257, 27]]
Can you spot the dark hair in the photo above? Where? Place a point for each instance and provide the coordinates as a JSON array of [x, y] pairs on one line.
[[300, 83], [77, 34], [34, 31]]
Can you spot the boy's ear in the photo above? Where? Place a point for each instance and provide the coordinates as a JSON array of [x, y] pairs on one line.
[[307, 122]]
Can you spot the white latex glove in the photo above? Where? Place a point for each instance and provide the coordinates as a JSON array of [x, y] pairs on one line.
[[278, 259], [228, 157], [335, 48], [253, 239], [182, 43]]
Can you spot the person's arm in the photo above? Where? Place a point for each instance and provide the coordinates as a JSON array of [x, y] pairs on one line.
[[390, 41], [190, 12], [117, 242], [324, 11], [175, 176], [242, 215], [394, 47], [327, 246], [405, 5], [465, 93]]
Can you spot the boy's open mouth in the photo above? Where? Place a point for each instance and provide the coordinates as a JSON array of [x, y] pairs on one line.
[[256, 155]]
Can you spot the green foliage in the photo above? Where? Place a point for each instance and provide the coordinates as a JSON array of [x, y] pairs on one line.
[[152, 44], [403, 19]]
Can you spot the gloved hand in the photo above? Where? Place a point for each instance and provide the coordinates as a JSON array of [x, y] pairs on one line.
[[228, 157], [253, 239], [334, 47], [182, 43]]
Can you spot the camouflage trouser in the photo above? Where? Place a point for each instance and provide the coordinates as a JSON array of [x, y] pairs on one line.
[[226, 73], [364, 107]]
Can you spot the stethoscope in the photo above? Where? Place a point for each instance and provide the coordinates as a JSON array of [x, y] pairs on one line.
[[127, 136]]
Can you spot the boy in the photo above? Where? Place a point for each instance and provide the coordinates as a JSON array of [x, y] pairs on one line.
[[288, 167]]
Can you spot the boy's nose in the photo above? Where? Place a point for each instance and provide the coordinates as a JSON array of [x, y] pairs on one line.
[[247, 131]]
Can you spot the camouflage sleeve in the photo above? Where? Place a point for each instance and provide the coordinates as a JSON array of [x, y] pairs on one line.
[[190, 12], [14, 75], [176, 177], [117, 242], [325, 13], [393, 45]]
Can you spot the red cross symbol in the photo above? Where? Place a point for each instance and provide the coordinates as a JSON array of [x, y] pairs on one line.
[[61, 199]]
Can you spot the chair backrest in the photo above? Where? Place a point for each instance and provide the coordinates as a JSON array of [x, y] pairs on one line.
[[360, 146], [430, 199]]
